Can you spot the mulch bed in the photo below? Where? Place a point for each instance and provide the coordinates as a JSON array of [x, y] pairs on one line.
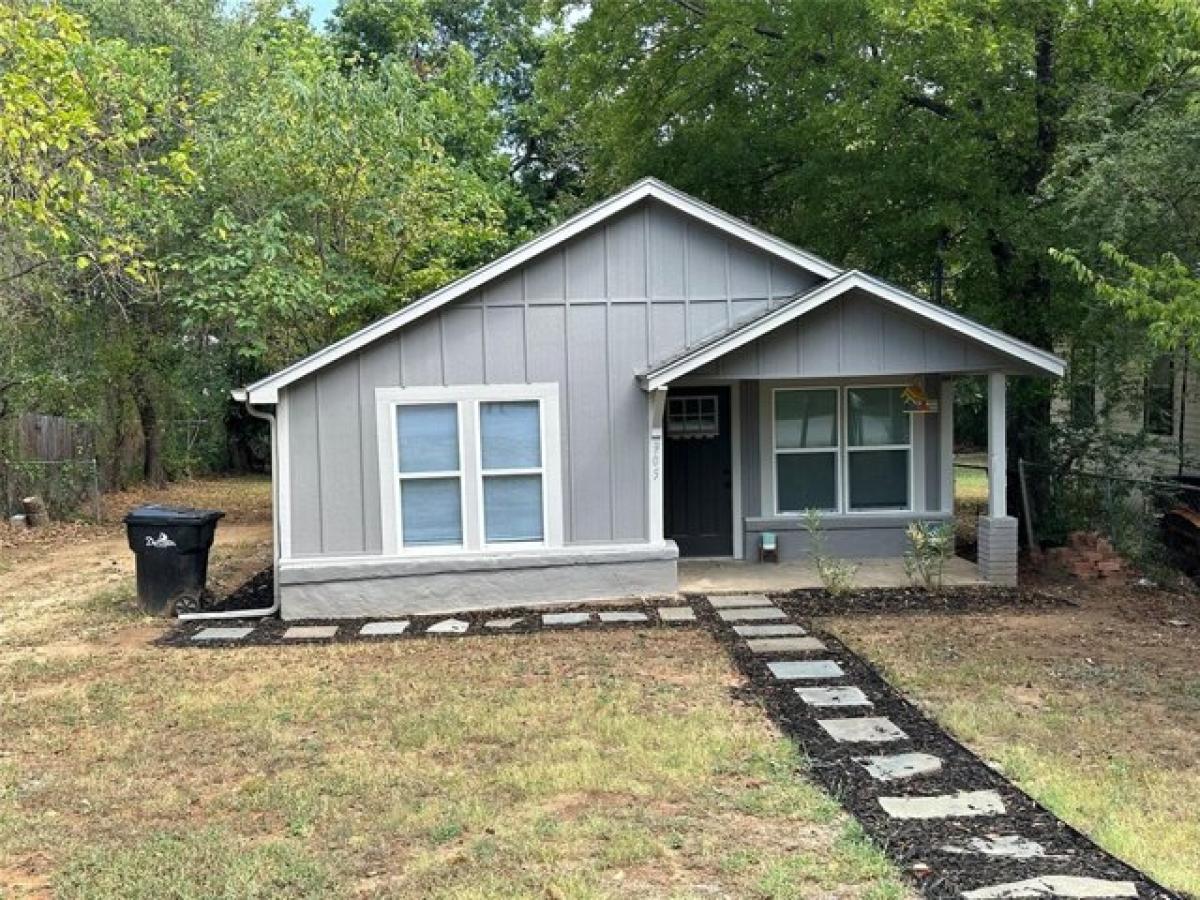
[[915, 844], [819, 603], [269, 631]]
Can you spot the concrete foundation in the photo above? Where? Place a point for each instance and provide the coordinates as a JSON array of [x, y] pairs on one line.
[[379, 586], [998, 549]]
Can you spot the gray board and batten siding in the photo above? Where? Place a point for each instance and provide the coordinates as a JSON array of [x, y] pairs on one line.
[[590, 315]]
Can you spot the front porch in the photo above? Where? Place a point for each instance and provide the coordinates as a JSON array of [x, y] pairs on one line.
[[841, 402], [717, 576]]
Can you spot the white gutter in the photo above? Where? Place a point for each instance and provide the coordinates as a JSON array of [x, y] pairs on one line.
[[275, 525]]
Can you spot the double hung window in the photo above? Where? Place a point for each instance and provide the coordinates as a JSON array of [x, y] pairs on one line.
[[470, 468], [841, 449]]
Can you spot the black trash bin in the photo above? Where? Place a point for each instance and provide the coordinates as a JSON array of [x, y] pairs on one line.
[[171, 544]]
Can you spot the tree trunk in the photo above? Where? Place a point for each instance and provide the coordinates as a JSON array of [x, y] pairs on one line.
[[152, 465], [36, 513]]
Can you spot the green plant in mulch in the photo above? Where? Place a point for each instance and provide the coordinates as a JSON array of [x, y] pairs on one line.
[[930, 544], [837, 575]]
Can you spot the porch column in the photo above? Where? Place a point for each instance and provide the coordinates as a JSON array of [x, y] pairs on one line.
[[997, 530], [946, 444], [654, 468]]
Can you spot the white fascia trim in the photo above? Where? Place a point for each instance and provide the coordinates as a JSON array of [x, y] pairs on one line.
[[822, 294], [266, 390]]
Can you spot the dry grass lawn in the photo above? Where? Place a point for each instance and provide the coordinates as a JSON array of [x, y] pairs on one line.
[[558, 765], [1094, 710]]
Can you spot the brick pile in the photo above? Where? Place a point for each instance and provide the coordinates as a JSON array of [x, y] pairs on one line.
[[1088, 556]]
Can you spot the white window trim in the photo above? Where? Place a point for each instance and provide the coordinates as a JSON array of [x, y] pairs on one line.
[[842, 452], [467, 399]]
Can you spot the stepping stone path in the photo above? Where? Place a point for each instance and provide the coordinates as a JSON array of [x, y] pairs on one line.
[[448, 626], [221, 634], [763, 631], [944, 806], [866, 730], [623, 616], [957, 860], [833, 696], [735, 601], [1056, 886], [567, 618], [676, 614], [900, 766], [310, 632], [377, 629], [1011, 846], [784, 645], [750, 614], [811, 670], [885, 789]]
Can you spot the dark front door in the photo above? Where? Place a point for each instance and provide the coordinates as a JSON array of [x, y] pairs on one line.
[[698, 471]]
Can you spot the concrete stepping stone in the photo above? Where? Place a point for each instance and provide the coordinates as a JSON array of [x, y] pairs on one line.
[[1010, 846], [751, 614], [833, 696], [502, 623], [448, 626], [807, 669], [676, 614], [944, 806], [310, 632], [899, 766], [864, 730], [566, 618], [784, 645], [1072, 886], [735, 601], [376, 629], [762, 631], [623, 616], [221, 634]]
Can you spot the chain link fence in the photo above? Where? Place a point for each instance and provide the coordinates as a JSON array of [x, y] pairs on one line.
[[1152, 522]]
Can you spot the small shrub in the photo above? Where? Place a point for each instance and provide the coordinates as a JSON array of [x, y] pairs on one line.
[[930, 544], [837, 575]]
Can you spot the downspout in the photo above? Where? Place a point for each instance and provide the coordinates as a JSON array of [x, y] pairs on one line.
[[275, 526]]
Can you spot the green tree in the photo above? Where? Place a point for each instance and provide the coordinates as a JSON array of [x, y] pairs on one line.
[[908, 137], [1129, 185]]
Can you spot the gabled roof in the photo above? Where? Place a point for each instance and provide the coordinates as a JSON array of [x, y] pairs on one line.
[[267, 389], [688, 360]]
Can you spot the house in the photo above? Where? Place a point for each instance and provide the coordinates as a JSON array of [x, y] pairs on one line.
[[652, 378], [1159, 401]]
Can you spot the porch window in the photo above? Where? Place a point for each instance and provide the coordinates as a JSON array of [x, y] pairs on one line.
[[878, 449], [806, 449], [473, 468]]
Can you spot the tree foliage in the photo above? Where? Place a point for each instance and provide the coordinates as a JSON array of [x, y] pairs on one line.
[[195, 194]]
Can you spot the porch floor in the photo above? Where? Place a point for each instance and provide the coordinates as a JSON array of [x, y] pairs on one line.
[[716, 575]]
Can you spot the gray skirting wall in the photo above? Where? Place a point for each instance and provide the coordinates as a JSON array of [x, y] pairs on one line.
[[857, 537], [374, 586]]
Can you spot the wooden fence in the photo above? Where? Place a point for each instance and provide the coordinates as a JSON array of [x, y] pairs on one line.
[[53, 457], [52, 438]]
